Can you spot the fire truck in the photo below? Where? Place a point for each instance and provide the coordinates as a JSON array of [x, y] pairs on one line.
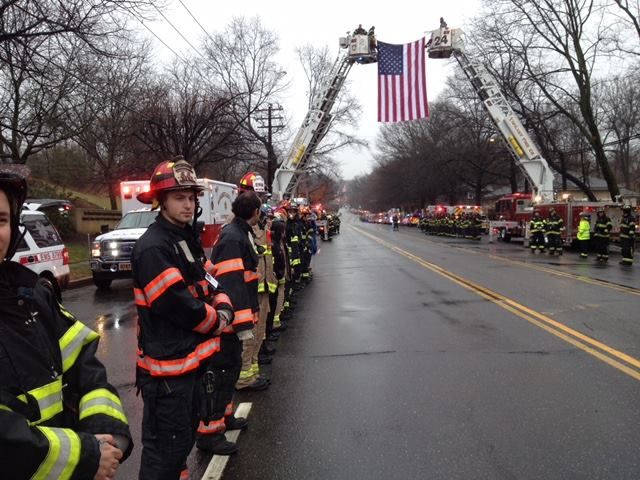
[[111, 251], [513, 212]]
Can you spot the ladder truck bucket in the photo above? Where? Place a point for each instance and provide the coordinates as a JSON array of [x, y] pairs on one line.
[[443, 42], [362, 48]]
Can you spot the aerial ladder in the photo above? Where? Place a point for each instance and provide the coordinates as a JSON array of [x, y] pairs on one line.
[[445, 42], [359, 48]]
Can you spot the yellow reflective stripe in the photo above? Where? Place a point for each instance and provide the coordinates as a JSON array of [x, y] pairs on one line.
[[102, 401], [4, 407], [66, 312], [49, 398], [282, 281], [273, 287], [72, 342], [261, 287], [63, 455]]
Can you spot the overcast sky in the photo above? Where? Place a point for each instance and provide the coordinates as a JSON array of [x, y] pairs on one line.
[[322, 23]]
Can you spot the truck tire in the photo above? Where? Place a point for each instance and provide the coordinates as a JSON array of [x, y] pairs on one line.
[[102, 283], [504, 236]]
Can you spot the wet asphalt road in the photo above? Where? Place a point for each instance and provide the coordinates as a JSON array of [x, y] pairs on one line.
[[391, 370]]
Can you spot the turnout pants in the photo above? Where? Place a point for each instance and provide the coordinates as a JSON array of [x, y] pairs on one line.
[[555, 243], [250, 348], [627, 248], [276, 302], [536, 242], [169, 421], [584, 248], [601, 245], [225, 366]]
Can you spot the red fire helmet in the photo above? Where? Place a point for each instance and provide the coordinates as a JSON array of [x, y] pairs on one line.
[[176, 174], [252, 181]]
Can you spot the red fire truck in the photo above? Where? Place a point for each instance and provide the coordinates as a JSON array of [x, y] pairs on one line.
[[513, 213]]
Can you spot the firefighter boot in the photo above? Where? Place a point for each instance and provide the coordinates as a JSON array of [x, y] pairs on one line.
[[216, 444], [236, 423]]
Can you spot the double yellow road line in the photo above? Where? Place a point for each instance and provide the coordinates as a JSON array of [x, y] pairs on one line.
[[615, 358]]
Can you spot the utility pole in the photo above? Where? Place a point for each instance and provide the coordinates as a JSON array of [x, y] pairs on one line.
[[273, 123]]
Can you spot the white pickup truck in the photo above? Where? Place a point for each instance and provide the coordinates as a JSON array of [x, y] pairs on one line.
[[111, 251]]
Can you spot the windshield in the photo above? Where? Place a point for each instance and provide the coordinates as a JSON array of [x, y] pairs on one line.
[[137, 220]]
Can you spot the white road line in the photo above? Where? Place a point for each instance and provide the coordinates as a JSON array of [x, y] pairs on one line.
[[216, 466]]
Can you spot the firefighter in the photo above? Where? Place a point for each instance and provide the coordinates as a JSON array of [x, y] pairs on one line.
[[59, 416], [276, 298], [601, 235], [395, 221], [181, 312], [536, 230], [584, 234], [554, 226], [235, 260], [627, 236], [249, 378], [282, 270]]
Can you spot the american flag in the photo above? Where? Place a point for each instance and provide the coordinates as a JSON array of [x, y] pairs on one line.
[[402, 85]]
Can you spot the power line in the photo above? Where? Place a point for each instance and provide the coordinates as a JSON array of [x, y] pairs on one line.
[[161, 41], [196, 20], [179, 33]]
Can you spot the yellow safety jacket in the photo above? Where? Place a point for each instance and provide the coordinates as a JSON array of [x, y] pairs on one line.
[[54, 393]]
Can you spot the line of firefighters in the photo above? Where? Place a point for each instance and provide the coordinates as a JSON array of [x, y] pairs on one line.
[[205, 325], [466, 225], [545, 234]]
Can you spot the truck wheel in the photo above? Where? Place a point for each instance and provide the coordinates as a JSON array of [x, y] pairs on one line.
[[102, 282]]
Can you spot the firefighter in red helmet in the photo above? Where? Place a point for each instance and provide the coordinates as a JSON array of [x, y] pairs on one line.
[[252, 181], [181, 312]]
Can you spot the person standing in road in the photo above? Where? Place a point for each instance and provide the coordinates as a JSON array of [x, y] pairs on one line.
[[536, 230], [627, 236], [554, 226], [235, 260], [584, 234], [181, 311], [601, 232], [249, 378], [395, 221], [59, 415]]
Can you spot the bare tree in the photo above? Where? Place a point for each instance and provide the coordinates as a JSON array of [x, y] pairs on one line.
[[36, 82], [86, 20], [241, 62], [631, 11], [104, 123], [182, 115], [558, 43]]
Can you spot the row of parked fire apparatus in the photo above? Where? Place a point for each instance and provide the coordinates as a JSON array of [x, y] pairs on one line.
[[510, 219]]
